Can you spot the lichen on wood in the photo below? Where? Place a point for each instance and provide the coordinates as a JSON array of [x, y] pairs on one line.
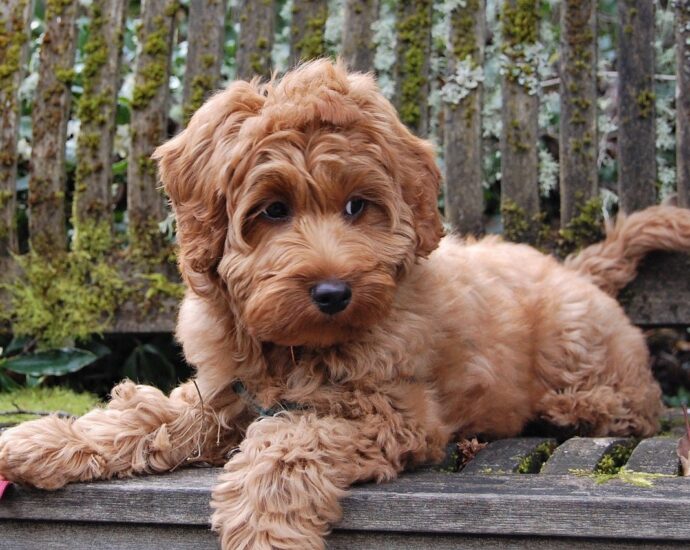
[[51, 113], [461, 94], [519, 116], [413, 29], [205, 36], [358, 36], [256, 37], [14, 33], [96, 112], [578, 89], [307, 30], [636, 118], [146, 204], [683, 101]]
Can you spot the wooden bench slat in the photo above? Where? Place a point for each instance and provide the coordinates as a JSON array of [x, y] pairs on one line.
[[504, 456], [580, 453], [656, 455], [30, 535], [426, 502]]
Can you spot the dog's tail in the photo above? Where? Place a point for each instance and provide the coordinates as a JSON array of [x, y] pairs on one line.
[[612, 263]]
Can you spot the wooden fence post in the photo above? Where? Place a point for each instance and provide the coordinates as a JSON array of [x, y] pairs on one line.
[[683, 101], [206, 43], [519, 115], [51, 113], [358, 45], [92, 208], [15, 19], [636, 142], [413, 51], [257, 29], [145, 202], [462, 104], [307, 30], [578, 123]]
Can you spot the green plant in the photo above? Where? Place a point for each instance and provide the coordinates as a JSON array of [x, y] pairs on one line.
[[19, 358]]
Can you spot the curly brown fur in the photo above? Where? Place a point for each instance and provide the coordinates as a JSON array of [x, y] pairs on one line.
[[440, 337]]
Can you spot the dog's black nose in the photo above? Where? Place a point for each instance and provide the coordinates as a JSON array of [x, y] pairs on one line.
[[331, 296]]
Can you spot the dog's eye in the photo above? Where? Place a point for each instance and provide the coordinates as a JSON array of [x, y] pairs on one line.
[[276, 211], [354, 207]]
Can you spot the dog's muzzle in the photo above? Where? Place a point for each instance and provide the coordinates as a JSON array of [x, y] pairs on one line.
[[331, 296]]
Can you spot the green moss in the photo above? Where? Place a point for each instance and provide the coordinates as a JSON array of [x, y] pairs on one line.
[[199, 88], [313, 44], [532, 463], [42, 399], [57, 8], [65, 76], [160, 286], [520, 22], [612, 462], [639, 479], [62, 298], [464, 42], [645, 103], [586, 227], [518, 226], [146, 247], [13, 36], [413, 36], [154, 72]]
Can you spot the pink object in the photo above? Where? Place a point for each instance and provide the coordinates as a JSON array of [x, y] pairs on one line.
[[3, 485]]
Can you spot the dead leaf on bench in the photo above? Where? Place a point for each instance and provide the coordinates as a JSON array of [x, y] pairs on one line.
[[467, 449], [683, 449]]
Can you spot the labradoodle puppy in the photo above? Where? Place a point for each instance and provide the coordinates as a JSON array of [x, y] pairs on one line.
[[337, 337]]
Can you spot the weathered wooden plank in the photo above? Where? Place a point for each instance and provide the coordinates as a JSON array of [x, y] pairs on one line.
[[373, 540], [145, 202], [656, 455], [578, 121], [307, 30], [413, 48], [580, 453], [636, 142], [425, 502], [462, 106], [683, 101], [358, 47], [504, 456], [206, 39], [51, 111], [132, 317], [19, 535], [257, 31], [519, 116], [15, 19], [92, 207], [30, 535], [660, 295]]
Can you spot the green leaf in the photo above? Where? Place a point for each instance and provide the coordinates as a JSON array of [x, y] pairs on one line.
[[53, 362]]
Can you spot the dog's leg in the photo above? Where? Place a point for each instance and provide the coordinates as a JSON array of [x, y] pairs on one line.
[[141, 430], [281, 490]]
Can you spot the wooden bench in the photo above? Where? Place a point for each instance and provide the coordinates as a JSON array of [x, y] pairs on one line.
[[487, 504]]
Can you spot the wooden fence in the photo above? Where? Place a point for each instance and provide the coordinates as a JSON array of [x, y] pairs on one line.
[[89, 200]]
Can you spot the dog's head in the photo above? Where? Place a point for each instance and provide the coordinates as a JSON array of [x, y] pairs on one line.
[[306, 199]]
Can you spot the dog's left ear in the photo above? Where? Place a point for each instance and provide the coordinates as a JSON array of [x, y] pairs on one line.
[[421, 183], [411, 160]]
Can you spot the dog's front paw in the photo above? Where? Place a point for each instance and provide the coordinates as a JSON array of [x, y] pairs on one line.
[[48, 454]]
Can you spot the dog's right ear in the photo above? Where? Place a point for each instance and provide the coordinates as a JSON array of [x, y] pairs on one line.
[[195, 168]]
